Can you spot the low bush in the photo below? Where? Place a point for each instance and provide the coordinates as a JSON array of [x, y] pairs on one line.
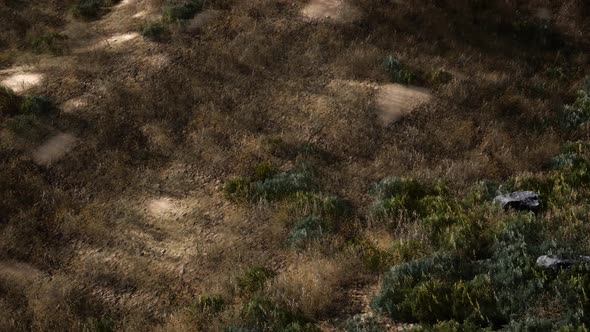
[[49, 42], [262, 314], [9, 102], [254, 279], [273, 187], [37, 105], [155, 30], [309, 229], [175, 12], [578, 113], [398, 73], [329, 207], [91, 9]]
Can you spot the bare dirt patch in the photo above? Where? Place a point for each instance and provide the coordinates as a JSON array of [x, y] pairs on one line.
[[335, 10], [393, 101], [54, 149], [22, 81]]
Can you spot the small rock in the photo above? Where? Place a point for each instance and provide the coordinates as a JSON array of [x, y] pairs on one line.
[[519, 200], [554, 262]]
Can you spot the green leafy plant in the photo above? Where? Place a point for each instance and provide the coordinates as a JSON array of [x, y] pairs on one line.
[[398, 72], [254, 279]]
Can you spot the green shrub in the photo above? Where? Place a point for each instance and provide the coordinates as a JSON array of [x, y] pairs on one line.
[[179, 12], [9, 102], [398, 73], [328, 207], [272, 187], [89, 9], [440, 76], [155, 30], [310, 228], [37, 105], [92, 9], [209, 304], [578, 113], [399, 194], [262, 314], [359, 324], [49, 42], [254, 279]]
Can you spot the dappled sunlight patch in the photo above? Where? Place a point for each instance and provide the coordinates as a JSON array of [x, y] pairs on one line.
[[22, 81], [202, 19], [140, 14], [75, 104], [157, 61], [113, 41], [543, 13], [393, 101], [54, 149], [19, 272], [336, 10]]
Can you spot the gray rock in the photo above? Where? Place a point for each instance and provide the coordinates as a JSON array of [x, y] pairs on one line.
[[555, 263], [519, 200]]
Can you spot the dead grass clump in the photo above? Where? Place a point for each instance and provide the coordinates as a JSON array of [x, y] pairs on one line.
[[314, 286]]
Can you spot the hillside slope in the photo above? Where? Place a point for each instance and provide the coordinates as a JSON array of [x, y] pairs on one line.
[[262, 165]]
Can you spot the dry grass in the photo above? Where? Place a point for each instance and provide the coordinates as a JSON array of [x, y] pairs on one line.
[[255, 83]]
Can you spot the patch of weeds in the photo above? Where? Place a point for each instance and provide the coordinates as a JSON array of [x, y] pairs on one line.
[[209, 304], [155, 30], [175, 12], [104, 324], [49, 42], [536, 34], [396, 195], [398, 73], [254, 279], [37, 105], [91, 9], [28, 126], [264, 171], [578, 113], [9, 101], [329, 207], [309, 229], [363, 324], [440, 77], [263, 314], [272, 188]]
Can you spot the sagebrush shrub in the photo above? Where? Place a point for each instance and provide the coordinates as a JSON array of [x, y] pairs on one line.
[[184, 11], [155, 30], [263, 314], [253, 279], [9, 101], [308, 229], [37, 105], [578, 113], [398, 72]]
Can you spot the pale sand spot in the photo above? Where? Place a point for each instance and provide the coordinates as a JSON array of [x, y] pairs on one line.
[[19, 272], [337, 10], [20, 82], [157, 61], [54, 149], [543, 14], [111, 42], [74, 104], [393, 101], [202, 19], [125, 3], [140, 14], [166, 207]]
